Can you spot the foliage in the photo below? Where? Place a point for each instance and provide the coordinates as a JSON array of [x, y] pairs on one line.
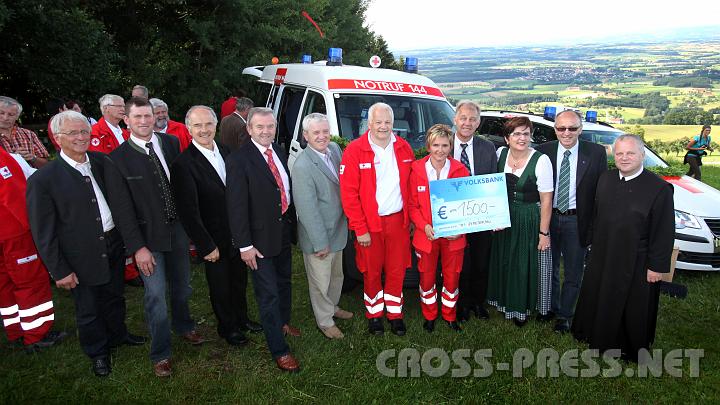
[[185, 52], [342, 142], [688, 116], [684, 81]]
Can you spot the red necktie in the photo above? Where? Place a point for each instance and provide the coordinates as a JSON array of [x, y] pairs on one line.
[[278, 179]]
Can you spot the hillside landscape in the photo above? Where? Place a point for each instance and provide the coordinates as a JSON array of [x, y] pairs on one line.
[[651, 84]]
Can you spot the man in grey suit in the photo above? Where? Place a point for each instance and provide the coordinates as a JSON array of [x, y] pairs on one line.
[[322, 226]]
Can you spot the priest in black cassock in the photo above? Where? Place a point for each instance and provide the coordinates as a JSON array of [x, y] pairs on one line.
[[632, 243]]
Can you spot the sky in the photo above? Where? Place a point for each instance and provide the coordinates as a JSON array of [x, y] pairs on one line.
[[421, 24]]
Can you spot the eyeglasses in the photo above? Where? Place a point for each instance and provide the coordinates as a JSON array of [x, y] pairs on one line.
[[563, 129], [76, 133], [116, 105], [520, 134]]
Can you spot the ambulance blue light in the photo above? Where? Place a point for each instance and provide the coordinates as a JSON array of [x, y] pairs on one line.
[[334, 57], [307, 59], [411, 65], [549, 113], [591, 116]]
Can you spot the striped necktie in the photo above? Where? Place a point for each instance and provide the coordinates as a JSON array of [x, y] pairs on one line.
[[563, 200]]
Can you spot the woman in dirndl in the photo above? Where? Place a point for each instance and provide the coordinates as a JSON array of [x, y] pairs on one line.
[[520, 260]]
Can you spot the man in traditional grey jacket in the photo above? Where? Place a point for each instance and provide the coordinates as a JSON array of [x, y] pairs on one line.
[[322, 226]]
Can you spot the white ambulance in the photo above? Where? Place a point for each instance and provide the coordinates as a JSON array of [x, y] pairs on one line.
[[344, 93]]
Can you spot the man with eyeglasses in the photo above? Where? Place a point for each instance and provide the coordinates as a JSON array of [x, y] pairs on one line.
[[577, 166], [74, 231], [478, 156], [107, 134]]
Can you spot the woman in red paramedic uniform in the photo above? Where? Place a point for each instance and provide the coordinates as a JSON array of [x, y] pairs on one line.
[[438, 165]]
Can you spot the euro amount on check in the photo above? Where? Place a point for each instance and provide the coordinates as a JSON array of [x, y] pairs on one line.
[[469, 204]]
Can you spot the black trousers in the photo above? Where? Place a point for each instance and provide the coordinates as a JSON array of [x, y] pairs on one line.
[[100, 309], [227, 281], [695, 162], [474, 276], [273, 293]]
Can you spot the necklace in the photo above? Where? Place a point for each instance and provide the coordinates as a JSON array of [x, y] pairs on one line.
[[516, 163]]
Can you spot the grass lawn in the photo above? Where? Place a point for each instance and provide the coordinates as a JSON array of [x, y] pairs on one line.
[[670, 132], [345, 371]]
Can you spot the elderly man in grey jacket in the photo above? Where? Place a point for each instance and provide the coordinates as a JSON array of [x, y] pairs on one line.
[[322, 226]]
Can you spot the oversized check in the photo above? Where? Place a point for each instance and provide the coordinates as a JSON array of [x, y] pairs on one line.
[[469, 204]]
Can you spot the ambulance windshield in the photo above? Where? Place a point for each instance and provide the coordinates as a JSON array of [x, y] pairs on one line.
[[413, 115]]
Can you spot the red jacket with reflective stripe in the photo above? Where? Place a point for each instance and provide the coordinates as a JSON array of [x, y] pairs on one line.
[[180, 131], [102, 138], [419, 205], [358, 184], [13, 213]]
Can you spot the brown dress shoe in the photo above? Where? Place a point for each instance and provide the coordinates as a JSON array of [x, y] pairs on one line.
[[290, 330], [194, 338], [332, 332], [288, 363], [343, 314], [162, 368]]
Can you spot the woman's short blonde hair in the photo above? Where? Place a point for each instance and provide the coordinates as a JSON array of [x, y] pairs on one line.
[[438, 131]]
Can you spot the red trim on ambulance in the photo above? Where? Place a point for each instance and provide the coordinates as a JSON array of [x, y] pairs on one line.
[[678, 181], [379, 85]]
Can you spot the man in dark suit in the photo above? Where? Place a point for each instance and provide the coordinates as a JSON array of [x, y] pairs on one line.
[[74, 231], [153, 235], [577, 166], [262, 221], [233, 128], [199, 188], [478, 156]]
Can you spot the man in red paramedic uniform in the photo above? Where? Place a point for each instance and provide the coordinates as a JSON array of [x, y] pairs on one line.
[[105, 136], [164, 124], [26, 303], [374, 188]]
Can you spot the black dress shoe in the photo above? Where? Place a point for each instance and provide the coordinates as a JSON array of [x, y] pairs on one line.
[[134, 340], [236, 339], [481, 312], [463, 314], [135, 282], [454, 326], [251, 326], [376, 327], [429, 325], [547, 317], [52, 338], [562, 326], [519, 323], [101, 367], [397, 326]]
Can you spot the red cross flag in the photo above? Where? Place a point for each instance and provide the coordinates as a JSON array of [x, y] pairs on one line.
[[375, 61]]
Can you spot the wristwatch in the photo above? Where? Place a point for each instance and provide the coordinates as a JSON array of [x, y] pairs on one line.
[[544, 233]]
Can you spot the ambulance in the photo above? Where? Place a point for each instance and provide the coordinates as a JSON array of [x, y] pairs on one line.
[[345, 93]]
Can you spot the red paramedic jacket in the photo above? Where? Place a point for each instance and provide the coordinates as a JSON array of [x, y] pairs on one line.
[[358, 184], [102, 138], [420, 208]]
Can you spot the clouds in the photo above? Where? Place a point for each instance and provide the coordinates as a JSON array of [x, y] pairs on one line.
[[423, 24]]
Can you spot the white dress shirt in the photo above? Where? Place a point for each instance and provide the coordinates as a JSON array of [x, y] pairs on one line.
[[156, 147], [432, 174], [457, 150], [117, 131], [85, 170], [573, 158], [387, 178], [325, 156], [214, 157], [26, 168]]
